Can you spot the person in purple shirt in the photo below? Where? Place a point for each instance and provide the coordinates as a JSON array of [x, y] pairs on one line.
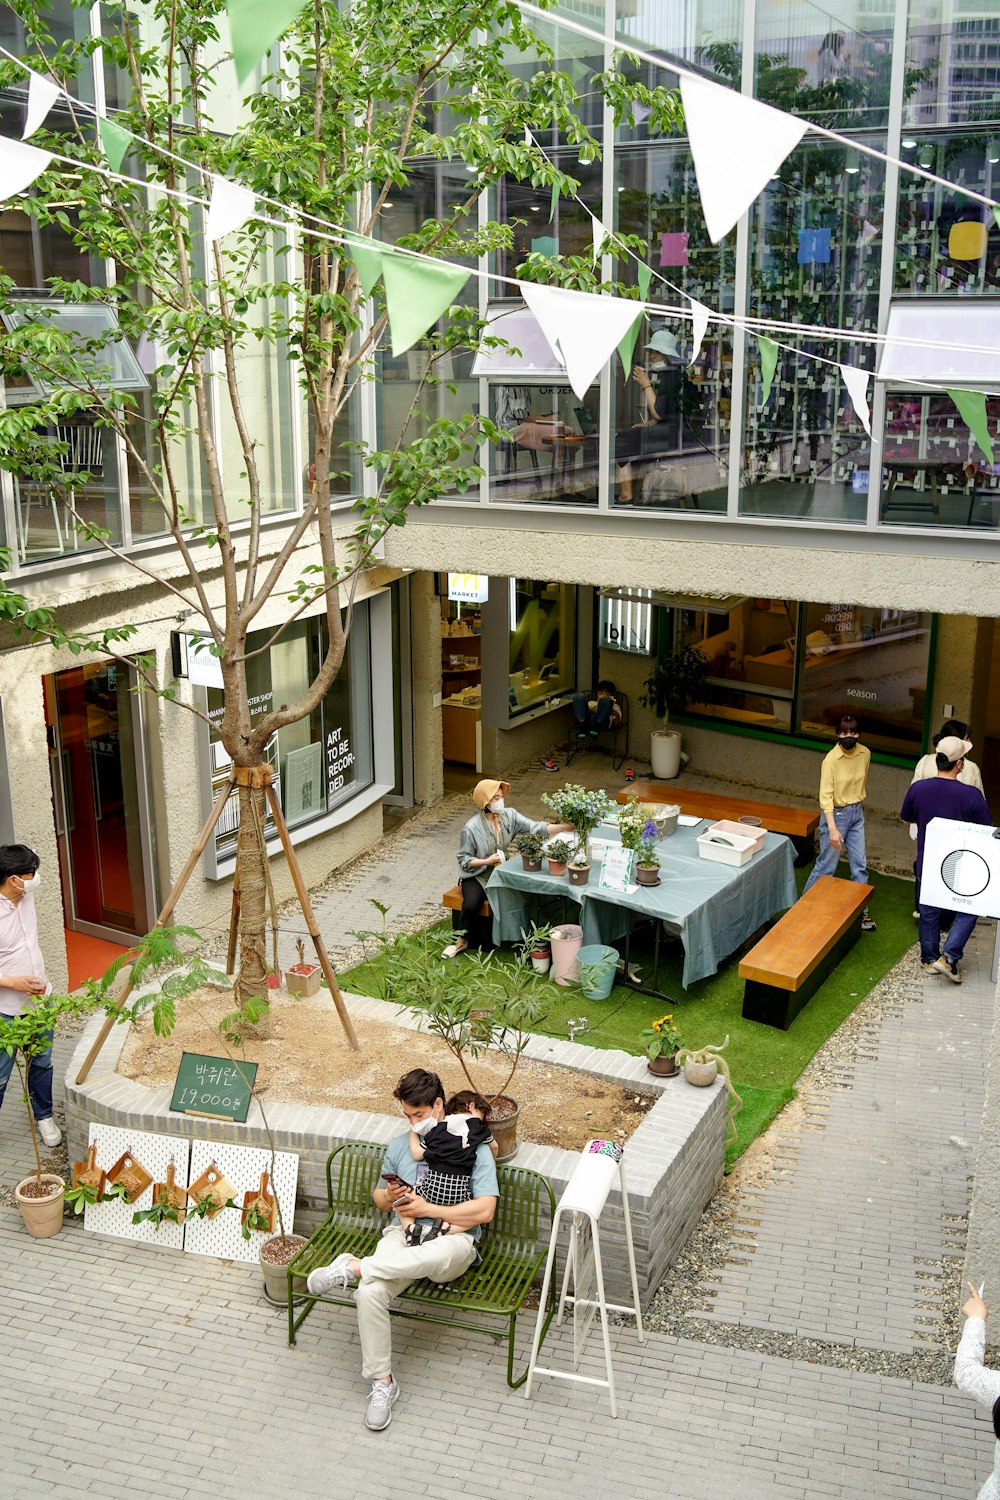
[[944, 796], [22, 975]]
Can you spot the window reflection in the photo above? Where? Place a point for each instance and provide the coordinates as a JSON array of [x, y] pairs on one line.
[[945, 243], [873, 663], [549, 444], [542, 641], [935, 473], [751, 656]]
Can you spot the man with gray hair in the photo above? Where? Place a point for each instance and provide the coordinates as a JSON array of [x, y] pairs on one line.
[[944, 796]]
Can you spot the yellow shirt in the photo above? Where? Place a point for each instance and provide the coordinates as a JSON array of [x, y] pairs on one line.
[[843, 778]]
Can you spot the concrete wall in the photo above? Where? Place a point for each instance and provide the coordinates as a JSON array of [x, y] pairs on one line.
[[425, 654]]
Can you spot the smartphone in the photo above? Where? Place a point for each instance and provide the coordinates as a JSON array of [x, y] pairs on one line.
[[982, 1288], [394, 1180]]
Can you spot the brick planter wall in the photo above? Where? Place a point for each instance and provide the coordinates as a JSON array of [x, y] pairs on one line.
[[673, 1161]]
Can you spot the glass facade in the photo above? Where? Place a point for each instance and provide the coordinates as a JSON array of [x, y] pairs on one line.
[[542, 660]]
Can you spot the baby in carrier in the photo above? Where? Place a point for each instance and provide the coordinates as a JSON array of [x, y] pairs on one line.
[[448, 1149]]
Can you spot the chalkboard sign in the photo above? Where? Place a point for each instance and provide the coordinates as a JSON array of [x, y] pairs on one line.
[[215, 1087]]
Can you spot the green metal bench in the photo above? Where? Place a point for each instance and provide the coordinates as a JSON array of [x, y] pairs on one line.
[[513, 1249]]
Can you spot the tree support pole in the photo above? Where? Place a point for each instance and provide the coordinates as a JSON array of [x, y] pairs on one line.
[[168, 910], [234, 919], [307, 911]]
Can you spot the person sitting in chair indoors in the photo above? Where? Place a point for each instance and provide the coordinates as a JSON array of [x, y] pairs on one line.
[[485, 841], [595, 714]]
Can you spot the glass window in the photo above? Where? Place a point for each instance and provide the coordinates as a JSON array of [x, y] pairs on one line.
[[52, 507], [947, 244], [962, 343], [542, 642], [935, 473], [325, 758], [873, 663], [953, 62], [527, 351], [108, 361], [751, 655], [548, 451]]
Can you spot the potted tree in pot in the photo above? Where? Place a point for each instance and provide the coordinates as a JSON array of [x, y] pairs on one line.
[[678, 679], [661, 1040], [529, 846]]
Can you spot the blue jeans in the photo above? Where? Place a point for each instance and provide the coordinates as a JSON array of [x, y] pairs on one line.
[[39, 1080], [592, 718], [850, 824], [929, 927]]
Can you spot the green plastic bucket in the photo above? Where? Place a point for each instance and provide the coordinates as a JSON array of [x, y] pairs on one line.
[[601, 962]]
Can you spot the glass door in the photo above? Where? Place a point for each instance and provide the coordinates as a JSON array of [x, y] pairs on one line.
[[99, 795]]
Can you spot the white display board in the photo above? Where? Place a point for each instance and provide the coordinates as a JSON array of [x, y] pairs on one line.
[[242, 1165], [155, 1153], [961, 868]]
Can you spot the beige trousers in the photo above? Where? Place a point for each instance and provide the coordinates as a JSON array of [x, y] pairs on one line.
[[393, 1267]]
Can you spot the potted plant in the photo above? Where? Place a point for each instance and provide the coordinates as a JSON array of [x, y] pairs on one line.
[[678, 679], [560, 850], [702, 1065], [661, 1040], [529, 847], [631, 822], [541, 956], [647, 861], [302, 979], [578, 871], [583, 808]]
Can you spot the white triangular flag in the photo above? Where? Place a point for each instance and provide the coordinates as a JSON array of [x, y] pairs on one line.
[[42, 94], [20, 164], [738, 144], [229, 209], [600, 234], [700, 318], [586, 328], [857, 388]]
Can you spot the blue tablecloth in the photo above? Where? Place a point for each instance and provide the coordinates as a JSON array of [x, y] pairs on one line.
[[712, 907]]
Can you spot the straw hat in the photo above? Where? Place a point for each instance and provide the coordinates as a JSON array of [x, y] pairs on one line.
[[484, 792]]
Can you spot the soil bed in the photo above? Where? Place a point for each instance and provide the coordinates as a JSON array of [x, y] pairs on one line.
[[304, 1058]]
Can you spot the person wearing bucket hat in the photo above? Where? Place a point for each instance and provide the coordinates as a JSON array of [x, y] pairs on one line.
[[944, 797], [666, 393], [975, 1379], [485, 841]]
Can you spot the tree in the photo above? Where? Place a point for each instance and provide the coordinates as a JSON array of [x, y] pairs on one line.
[[353, 100]]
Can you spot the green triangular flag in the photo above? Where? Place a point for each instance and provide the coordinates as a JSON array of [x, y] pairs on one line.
[[996, 215], [972, 409], [627, 346], [115, 141], [554, 201], [255, 26], [768, 362], [417, 291], [367, 255], [644, 276]]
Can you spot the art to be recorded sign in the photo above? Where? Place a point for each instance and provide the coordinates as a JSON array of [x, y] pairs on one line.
[[961, 869], [216, 1087]]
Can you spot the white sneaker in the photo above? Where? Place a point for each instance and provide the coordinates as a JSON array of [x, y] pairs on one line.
[[337, 1273], [49, 1131], [380, 1404], [455, 948]]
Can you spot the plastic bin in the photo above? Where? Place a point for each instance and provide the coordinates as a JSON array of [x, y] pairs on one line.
[[737, 849], [744, 830], [600, 984], [566, 943]]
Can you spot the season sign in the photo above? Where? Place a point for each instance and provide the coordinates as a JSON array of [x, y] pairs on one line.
[[339, 757]]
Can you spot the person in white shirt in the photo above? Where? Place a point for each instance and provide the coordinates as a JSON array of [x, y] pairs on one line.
[[926, 767], [978, 1381], [22, 975]]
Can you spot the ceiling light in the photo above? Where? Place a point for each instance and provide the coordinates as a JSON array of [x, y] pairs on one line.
[[535, 208], [908, 143], [993, 148], [852, 161], [927, 156]]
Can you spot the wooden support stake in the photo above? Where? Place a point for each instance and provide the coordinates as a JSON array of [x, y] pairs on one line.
[[234, 919], [307, 912], [162, 920]]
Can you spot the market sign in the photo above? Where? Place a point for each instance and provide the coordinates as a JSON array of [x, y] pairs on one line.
[[468, 588]]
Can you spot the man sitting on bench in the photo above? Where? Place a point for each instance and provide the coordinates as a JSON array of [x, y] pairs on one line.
[[395, 1265]]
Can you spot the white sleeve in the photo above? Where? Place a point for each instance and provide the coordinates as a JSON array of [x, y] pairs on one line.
[[971, 1375]]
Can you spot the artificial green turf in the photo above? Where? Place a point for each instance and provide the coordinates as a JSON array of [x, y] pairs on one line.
[[759, 1108], [763, 1061]]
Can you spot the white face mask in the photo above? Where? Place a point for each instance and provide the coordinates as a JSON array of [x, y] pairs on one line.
[[422, 1127], [31, 883], [497, 805]]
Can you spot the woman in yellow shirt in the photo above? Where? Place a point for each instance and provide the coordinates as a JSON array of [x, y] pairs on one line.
[[843, 784]]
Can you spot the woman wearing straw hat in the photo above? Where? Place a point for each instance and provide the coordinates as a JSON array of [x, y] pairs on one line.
[[486, 838]]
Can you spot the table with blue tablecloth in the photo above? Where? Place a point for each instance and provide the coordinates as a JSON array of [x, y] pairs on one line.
[[712, 907]]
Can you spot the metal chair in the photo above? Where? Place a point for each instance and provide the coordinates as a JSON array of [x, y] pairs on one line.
[[616, 734]]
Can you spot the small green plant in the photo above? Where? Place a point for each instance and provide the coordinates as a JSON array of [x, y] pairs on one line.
[[257, 1216], [116, 1190], [678, 679], [79, 1196], [714, 1054], [529, 845], [661, 1038], [160, 1211], [560, 850], [631, 822], [646, 854]]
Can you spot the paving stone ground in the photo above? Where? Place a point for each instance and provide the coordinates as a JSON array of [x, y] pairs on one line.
[[135, 1371]]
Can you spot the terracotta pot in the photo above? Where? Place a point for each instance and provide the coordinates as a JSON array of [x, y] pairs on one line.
[[557, 867], [701, 1074], [647, 874], [276, 1274], [662, 1066], [578, 874], [42, 1217], [533, 866], [505, 1131]]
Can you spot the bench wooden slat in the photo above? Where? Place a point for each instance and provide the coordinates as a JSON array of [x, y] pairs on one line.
[[800, 940], [796, 822], [452, 901]]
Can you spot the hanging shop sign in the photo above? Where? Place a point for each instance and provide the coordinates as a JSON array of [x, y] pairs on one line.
[[468, 588]]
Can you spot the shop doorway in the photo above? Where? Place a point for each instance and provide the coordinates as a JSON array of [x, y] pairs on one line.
[[99, 795]]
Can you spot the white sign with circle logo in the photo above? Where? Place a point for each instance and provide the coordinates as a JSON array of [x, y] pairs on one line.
[[961, 869], [468, 588]]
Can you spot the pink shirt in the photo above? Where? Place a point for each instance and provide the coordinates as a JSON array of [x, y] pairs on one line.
[[19, 951]]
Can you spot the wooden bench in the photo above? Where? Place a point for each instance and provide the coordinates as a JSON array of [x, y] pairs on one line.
[[799, 823], [513, 1250], [792, 960], [452, 900]]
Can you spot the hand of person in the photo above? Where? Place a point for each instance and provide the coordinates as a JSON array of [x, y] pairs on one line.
[[836, 840], [415, 1207], [640, 377], [974, 1306], [28, 984], [497, 858]]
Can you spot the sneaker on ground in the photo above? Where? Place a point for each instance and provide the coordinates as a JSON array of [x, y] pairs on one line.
[[325, 1278], [629, 774], [916, 916], [950, 970], [455, 948], [380, 1403], [49, 1131], [548, 764], [930, 966], [867, 921]]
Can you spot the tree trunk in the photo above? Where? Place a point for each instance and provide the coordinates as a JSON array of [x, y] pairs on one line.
[[251, 980]]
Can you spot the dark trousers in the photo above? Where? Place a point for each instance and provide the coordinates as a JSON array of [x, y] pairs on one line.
[[478, 930], [39, 1081], [962, 927]]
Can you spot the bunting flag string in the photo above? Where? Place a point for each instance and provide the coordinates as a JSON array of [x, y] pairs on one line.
[[417, 293], [971, 406], [230, 207], [584, 328], [42, 94], [20, 165], [255, 26], [115, 142], [768, 363], [701, 316], [856, 382]]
